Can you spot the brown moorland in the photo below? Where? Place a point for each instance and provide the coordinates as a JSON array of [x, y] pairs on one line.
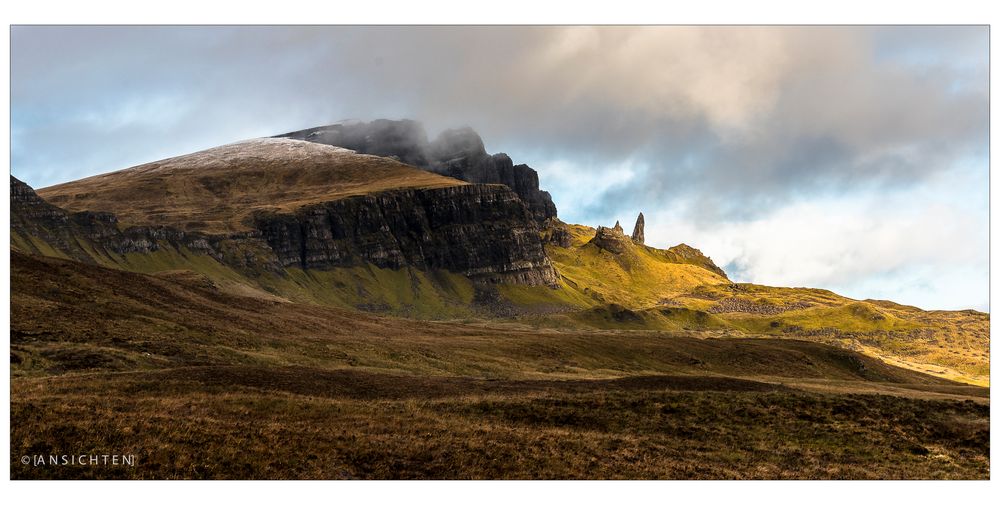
[[198, 383]]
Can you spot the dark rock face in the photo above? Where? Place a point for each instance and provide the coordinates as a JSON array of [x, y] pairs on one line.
[[611, 239], [28, 212], [457, 153], [639, 233], [31, 216], [484, 232]]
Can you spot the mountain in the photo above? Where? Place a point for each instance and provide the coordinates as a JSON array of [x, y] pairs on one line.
[[279, 308], [458, 153], [310, 222], [277, 214]]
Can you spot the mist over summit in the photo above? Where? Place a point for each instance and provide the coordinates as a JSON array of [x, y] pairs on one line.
[[457, 153]]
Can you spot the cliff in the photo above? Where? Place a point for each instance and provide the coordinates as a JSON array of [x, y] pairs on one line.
[[458, 153], [482, 231], [271, 204]]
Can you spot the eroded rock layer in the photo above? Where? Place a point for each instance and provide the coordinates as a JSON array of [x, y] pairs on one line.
[[482, 231]]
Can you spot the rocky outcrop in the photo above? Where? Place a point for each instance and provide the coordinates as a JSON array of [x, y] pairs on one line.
[[611, 239], [457, 153], [683, 253], [639, 232], [30, 215], [759, 307], [460, 153], [482, 231], [556, 232], [38, 224]]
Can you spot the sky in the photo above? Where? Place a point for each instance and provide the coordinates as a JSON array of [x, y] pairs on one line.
[[848, 158]]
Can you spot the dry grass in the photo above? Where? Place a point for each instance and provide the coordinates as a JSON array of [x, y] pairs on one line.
[[194, 429], [68, 316], [214, 191], [199, 383]]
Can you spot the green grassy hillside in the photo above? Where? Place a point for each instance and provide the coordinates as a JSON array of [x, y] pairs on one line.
[[678, 289]]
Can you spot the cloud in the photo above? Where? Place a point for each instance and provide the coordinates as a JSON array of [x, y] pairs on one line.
[[725, 128], [867, 244]]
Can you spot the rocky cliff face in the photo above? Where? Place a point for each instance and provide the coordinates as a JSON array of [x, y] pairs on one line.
[[482, 231], [458, 153]]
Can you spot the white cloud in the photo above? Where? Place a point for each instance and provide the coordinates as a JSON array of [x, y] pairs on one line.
[[927, 246]]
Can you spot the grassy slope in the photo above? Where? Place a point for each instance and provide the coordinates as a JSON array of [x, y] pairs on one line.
[[60, 304], [408, 292], [593, 277], [201, 383], [215, 190], [646, 288]]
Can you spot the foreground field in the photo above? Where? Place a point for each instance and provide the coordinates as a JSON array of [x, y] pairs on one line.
[[198, 383], [304, 423]]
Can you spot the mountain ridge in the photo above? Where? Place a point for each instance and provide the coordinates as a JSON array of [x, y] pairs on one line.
[[459, 153]]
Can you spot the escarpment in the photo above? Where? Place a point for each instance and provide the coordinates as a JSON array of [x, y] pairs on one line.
[[458, 153], [92, 236], [333, 208], [482, 231]]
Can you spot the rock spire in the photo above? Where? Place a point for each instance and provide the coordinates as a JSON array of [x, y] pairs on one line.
[[639, 233]]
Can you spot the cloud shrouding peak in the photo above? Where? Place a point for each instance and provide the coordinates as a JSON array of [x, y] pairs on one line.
[[723, 126]]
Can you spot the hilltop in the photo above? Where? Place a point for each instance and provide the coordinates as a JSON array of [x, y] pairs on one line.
[[216, 190], [459, 153]]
